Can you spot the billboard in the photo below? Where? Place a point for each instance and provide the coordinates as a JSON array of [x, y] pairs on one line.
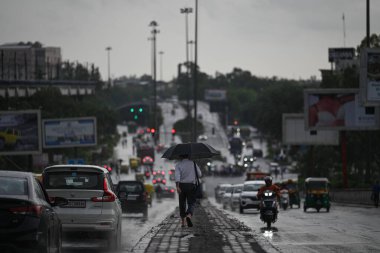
[[370, 76], [294, 133], [338, 109], [20, 132], [215, 95], [69, 132], [343, 53]]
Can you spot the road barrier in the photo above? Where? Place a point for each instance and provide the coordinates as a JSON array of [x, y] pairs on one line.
[[351, 196]]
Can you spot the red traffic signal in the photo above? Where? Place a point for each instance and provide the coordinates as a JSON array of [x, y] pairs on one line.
[[152, 131], [173, 131]]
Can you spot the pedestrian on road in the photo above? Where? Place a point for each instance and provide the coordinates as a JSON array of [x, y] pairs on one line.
[[375, 193], [185, 179]]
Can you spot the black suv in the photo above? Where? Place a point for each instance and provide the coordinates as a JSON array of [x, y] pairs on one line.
[[133, 197]]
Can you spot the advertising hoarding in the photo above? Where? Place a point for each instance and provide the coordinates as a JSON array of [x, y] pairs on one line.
[[338, 109], [370, 76], [69, 132], [343, 53], [215, 95], [294, 133], [20, 132]]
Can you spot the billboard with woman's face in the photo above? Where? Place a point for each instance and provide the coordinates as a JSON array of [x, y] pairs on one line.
[[338, 109], [20, 132], [69, 132]]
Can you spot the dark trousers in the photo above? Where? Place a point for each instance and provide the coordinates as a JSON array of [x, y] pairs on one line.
[[186, 196]]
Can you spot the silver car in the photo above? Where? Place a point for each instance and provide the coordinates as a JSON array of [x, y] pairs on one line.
[[93, 206], [235, 196], [226, 197], [248, 197]]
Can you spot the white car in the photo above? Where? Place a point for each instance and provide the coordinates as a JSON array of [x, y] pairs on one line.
[[226, 197], [92, 207], [248, 197], [219, 191], [235, 196], [202, 137]]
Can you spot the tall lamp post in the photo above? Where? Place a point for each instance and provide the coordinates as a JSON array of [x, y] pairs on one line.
[[186, 11], [195, 74], [154, 31], [161, 53], [108, 49]]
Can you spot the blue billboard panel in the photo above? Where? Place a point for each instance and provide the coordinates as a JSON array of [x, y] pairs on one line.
[[70, 132], [20, 132]]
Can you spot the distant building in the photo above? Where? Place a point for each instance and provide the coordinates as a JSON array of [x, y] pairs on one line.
[[29, 61]]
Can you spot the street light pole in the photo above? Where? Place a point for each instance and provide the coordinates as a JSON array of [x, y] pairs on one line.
[[161, 53], [154, 31], [195, 74], [109, 68], [186, 11]]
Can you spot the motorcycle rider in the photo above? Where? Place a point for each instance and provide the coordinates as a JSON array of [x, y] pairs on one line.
[[271, 187], [268, 186]]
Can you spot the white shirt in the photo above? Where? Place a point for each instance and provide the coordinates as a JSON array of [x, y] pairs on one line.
[[185, 173]]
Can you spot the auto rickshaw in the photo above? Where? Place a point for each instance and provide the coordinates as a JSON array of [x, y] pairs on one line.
[[150, 191], [294, 195], [134, 162], [317, 193]]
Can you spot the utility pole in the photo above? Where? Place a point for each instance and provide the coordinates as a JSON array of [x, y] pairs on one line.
[[108, 49], [154, 31], [368, 23], [195, 72], [186, 11], [161, 53], [344, 30]]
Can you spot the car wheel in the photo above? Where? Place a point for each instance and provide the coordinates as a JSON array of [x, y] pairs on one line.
[[241, 209], [2, 143]]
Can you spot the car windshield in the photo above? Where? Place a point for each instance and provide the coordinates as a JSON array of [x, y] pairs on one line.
[[73, 180], [252, 187], [229, 189], [13, 186], [316, 185], [131, 187]]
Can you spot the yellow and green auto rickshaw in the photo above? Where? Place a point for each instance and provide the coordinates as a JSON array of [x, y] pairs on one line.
[[134, 163], [294, 195], [150, 192], [317, 193]]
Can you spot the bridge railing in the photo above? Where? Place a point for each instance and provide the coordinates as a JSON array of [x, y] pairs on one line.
[[351, 196]]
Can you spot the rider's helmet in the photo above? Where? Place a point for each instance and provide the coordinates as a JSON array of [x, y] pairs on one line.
[[268, 181]]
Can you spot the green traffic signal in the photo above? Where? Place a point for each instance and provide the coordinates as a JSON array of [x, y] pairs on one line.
[[132, 109], [140, 109], [136, 117]]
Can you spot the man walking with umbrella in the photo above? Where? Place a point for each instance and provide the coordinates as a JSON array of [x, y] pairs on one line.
[[186, 173]]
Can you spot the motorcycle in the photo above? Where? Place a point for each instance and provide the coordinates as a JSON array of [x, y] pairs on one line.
[[268, 208], [284, 199]]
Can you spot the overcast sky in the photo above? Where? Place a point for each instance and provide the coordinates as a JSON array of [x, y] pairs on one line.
[[284, 38]]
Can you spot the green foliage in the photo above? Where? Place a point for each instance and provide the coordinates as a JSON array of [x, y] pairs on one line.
[[184, 128]]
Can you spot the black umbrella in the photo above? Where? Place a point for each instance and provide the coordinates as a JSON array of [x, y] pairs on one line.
[[195, 150]]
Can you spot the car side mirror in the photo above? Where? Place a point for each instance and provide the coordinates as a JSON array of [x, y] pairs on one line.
[[58, 201]]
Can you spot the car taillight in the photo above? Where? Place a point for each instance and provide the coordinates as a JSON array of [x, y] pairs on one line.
[[172, 190], [108, 195], [159, 179], [163, 173], [34, 210], [147, 174], [164, 181], [154, 181]]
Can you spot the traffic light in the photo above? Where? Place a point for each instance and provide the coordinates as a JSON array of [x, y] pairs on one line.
[[173, 131], [137, 112], [152, 131]]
